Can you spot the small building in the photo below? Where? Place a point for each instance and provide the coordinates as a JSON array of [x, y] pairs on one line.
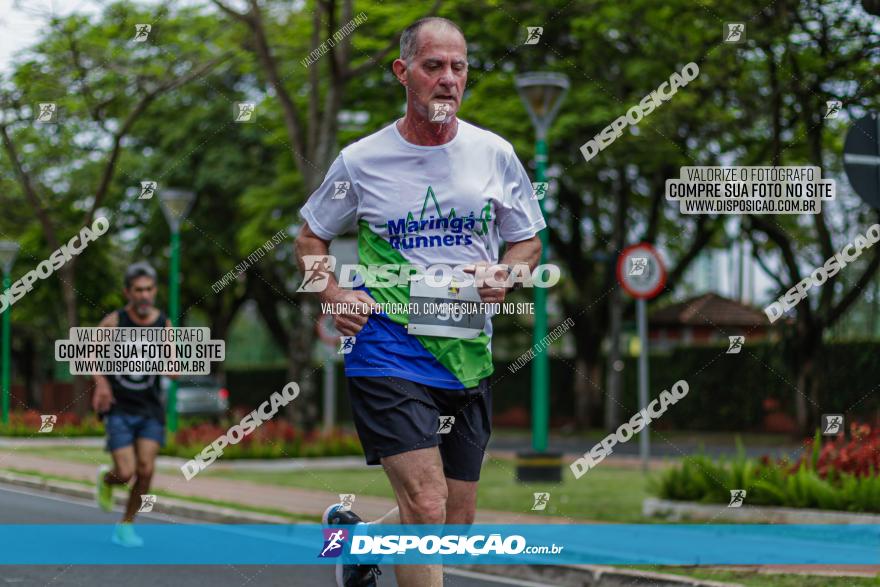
[[708, 318]]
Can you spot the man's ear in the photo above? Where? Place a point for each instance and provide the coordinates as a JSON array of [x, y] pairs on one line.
[[398, 67]]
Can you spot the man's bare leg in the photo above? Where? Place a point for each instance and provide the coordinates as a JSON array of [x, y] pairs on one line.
[[461, 505], [420, 488], [146, 451], [123, 466]]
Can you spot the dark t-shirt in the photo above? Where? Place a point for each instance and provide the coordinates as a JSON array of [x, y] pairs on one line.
[[138, 395]]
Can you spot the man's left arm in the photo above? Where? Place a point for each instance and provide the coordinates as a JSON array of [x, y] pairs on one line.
[[519, 220]]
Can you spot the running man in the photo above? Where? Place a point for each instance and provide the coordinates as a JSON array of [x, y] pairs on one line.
[[132, 409], [427, 189]]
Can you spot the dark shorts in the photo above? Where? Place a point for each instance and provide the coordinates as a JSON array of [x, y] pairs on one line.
[[394, 416], [123, 429]]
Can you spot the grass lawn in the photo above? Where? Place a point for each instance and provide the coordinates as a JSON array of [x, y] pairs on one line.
[[75, 454]]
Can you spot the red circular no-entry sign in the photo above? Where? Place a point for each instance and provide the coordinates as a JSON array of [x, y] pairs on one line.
[[640, 271]]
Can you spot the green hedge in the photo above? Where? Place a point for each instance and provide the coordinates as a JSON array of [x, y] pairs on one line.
[[252, 387], [702, 479], [727, 391]]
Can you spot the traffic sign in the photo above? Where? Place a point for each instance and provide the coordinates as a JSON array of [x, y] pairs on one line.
[[640, 271], [641, 274], [861, 158]]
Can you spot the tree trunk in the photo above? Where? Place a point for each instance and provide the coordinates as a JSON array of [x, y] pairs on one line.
[[809, 347], [29, 368], [223, 316], [800, 401], [581, 393], [81, 384], [807, 390], [615, 305], [219, 331], [303, 413]]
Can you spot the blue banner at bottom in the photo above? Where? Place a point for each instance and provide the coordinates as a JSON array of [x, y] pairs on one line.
[[494, 544]]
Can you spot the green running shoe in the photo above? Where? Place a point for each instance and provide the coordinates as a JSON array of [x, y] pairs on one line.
[[124, 535], [103, 490]]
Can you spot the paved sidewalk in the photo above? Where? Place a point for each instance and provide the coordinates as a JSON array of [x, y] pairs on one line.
[[247, 493], [22, 441]]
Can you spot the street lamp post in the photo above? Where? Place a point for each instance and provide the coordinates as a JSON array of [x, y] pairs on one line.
[[175, 205], [8, 252], [542, 94]]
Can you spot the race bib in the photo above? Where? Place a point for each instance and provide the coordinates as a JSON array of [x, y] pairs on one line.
[[450, 311]]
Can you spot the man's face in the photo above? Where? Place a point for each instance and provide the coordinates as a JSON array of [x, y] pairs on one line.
[[437, 74], [141, 294]]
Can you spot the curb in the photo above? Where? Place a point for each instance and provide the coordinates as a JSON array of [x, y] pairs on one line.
[[164, 505], [592, 576], [689, 510]]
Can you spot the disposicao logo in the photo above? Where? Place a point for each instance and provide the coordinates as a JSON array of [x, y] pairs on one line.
[[334, 542]]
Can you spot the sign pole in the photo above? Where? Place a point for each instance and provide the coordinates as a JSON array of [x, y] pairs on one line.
[[173, 309], [175, 204], [644, 438], [540, 364], [542, 94], [640, 272]]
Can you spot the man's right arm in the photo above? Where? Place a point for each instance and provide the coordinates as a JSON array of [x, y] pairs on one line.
[[356, 304], [103, 397]]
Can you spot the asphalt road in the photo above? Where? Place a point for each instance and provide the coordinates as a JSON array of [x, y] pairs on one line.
[[26, 506]]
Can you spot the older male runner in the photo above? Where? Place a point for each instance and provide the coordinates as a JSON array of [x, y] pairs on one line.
[[132, 409], [427, 189]]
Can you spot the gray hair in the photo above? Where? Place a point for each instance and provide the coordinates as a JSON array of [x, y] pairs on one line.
[[139, 269], [410, 36]]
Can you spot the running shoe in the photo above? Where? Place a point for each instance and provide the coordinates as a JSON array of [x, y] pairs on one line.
[[124, 535], [349, 575], [103, 490]]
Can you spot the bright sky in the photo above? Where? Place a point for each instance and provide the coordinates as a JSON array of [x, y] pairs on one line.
[[21, 21]]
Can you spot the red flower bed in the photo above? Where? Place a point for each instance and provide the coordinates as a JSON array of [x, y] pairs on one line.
[[859, 454], [32, 419], [271, 431], [28, 423], [273, 439]]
